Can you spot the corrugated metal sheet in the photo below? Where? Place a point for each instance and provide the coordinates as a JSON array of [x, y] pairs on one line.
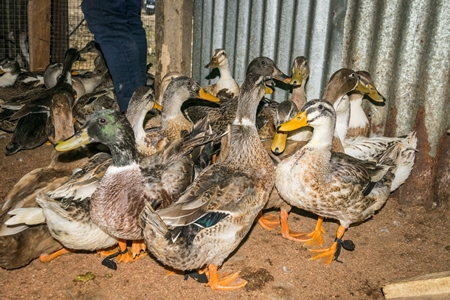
[[405, 45], [280, 30]]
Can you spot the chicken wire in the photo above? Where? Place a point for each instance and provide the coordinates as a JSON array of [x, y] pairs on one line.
[[68, 29]]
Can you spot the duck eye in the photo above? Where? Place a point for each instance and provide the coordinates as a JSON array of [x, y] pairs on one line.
[[189, 83], [263, 62], [102, 121], [320, 106]]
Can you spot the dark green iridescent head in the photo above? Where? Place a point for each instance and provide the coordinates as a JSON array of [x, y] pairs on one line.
[[110, 128]]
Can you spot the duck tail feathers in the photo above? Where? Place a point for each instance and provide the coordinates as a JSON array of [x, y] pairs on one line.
[[405, 160], [21, 219]]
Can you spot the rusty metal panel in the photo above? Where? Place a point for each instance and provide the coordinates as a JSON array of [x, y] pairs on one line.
[[405, 45], [280, 30]]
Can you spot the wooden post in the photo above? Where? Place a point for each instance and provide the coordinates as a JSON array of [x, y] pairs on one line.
[[173, 36], [39, 33]]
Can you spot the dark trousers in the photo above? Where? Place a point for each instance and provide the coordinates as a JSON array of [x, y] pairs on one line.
[[117, 28]]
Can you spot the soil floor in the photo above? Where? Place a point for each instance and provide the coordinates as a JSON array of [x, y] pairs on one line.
[[398, 242]]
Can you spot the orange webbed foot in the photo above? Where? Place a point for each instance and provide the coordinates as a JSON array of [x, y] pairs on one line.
[[137, 247], [136, 251], [326, 255], [268, 221], [224, 283]]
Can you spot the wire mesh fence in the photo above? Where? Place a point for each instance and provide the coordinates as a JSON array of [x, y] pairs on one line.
[[68, 29], [14, 31]]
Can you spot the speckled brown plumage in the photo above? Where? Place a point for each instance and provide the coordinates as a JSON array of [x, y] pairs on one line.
[[22, 247], [217, 210], [330, 184]]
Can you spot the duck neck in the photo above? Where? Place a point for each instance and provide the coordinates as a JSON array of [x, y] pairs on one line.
[[299, 96], [322, 136], [342, 124], [172, 119], [248, 105], [358, 117], [225, 72], [66, 75], [136, 117], [245, 145], [123, 152]]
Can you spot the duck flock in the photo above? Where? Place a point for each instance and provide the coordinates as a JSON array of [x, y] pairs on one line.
[[185, 176]]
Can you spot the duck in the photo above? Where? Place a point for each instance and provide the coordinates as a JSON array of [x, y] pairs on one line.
[[217, 210], [358, 124], [82, 83], [111, 210], [340, 83], [162, 175], [16, 84], [373, 147], [12, 75], [16, 100], [226, 81], [173, 122], [20, 243], [332, 184], [365, 149], [65, 209], [34, 127], [285, 110]]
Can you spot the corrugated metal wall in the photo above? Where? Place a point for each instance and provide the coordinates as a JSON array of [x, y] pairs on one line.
[[405, 45], [280, 30]]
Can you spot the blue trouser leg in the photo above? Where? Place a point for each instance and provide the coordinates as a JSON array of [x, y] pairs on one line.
[[117, 28]]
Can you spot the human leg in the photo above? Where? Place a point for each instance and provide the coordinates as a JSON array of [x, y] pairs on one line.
[[121, 42]]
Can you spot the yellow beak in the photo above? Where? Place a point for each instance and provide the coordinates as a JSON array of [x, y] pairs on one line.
[[279, 142], [207, 96], [297, 77], [362, 88], [269, 90], [300, 120], [157, 106], [79, 139], [374, 95]]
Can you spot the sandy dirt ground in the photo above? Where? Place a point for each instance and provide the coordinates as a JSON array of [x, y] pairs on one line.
[[397, 242]]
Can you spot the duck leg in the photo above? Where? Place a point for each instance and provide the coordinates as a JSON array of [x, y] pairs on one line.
[[45, 257], [313, 238], [134, 254], [107, 252], [327, 255], [268, 221], [229, 282]]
